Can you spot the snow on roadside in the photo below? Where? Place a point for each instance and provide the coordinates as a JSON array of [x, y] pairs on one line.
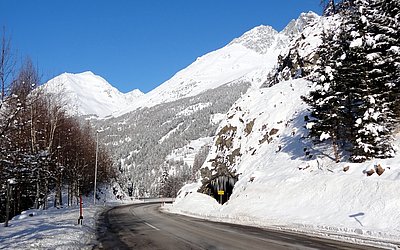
[[287, 183], [57, 228], [51, 229]]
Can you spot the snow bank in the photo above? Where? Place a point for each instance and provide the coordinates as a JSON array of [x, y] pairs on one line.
[[51, 229], [57, 228]]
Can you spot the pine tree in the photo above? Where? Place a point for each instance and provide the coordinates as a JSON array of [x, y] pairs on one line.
[[389, 11], [380, 38], [325, 99], [357, 102], [352, 72]]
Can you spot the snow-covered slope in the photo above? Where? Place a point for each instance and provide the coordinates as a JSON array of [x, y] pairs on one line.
[[287, 182], [252, 54], [89, 94], [208, 72]]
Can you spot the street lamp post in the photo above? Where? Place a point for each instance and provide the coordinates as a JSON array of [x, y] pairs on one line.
[[10, 182], [95, 168], [7, 204]]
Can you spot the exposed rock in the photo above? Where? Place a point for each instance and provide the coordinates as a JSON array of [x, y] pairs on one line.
[[345, 169], [273, 131], [370, 172], [259, 39], [264, 127], [379, 169], [266, 138], [232, 157], [249, 127], [225, 137]]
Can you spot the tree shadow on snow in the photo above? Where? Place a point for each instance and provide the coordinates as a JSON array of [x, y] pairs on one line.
[[35, 231], [299, 145]]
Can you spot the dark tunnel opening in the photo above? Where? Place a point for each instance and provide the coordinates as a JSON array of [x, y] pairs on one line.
[[222, 183]]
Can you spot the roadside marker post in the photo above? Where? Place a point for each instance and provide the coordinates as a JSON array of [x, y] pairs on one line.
[[80, 211]]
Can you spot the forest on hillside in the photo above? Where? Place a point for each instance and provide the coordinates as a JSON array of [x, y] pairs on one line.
[[42, 149], [141, 140]]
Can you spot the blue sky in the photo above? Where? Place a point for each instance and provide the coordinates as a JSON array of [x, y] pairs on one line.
[[132, 43]]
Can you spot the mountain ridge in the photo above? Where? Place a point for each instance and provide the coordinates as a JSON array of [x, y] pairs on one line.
[[89, 94], [244, 57]]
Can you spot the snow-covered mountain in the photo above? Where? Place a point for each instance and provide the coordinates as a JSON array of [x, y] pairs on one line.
[[282, 179], [247, 57], [160, 128], [88, 94]]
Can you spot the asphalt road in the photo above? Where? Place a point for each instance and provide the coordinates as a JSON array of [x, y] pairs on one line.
[[143, 226]]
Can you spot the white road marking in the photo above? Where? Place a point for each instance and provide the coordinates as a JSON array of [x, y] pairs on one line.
[[148, 224]]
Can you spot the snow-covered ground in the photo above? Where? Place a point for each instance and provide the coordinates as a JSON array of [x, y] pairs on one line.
[[51, 229], [287, 183], [57, 228]]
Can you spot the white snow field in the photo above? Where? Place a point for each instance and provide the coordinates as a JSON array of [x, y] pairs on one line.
[[58, 228], [51, 229]]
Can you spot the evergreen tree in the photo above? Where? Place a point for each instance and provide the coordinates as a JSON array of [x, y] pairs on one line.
[[379, 38], [362, 73], [358, 101], [387, 20], [325, 99]]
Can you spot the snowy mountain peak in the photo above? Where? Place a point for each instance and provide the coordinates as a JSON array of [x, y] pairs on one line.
[[136, 93], [258, 39], [296, 26], [85, 73], [89, 94], [247, 58], [87, 78]]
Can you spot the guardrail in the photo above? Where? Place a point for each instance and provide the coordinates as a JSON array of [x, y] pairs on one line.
[[156, 199]]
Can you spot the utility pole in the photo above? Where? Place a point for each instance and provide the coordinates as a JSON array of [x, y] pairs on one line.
[[95, 168]]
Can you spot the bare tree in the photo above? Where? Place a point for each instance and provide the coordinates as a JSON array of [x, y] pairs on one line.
[[7, 69], [7, 63]]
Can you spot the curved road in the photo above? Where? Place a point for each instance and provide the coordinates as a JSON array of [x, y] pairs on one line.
[[143, 226]]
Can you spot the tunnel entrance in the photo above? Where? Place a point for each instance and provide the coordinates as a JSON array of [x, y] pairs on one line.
[[221, 183]]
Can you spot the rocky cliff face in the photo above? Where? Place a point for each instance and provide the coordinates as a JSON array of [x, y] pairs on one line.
[[260, 39], [300, 57]]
